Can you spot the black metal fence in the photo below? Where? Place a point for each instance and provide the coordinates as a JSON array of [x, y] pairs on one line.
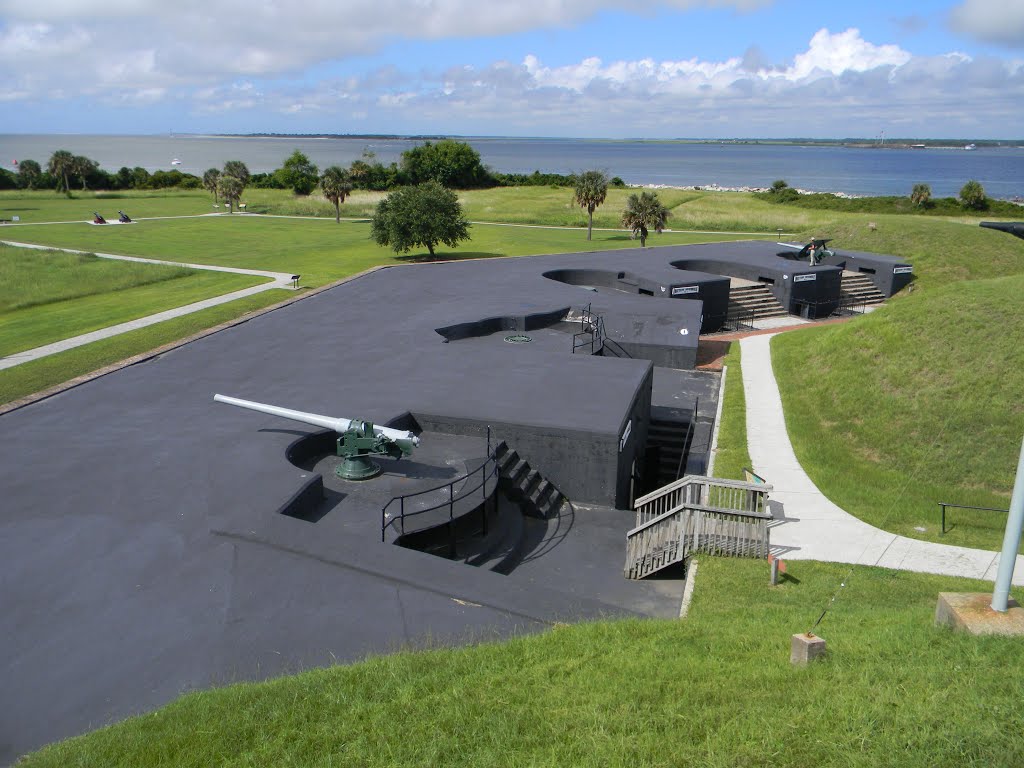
[[944, 504], [396, 511]]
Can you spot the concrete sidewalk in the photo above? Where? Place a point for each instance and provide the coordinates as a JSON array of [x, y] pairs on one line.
[[277, 280], [807, 525]]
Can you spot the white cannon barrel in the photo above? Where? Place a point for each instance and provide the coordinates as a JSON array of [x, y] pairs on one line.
[[339, 425]]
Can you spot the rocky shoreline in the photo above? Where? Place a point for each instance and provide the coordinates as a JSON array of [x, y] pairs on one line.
[[718, 188]]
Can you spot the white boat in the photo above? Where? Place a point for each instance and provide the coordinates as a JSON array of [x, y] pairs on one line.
[[971, 146], [175, 161]]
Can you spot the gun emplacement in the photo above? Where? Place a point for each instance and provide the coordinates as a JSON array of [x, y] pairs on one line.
[[357, 440]]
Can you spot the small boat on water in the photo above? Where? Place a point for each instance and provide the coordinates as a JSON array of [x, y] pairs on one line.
[[175, 161], [971, 146]]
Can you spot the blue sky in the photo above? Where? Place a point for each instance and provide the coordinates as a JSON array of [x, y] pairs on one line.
[[597, 68]]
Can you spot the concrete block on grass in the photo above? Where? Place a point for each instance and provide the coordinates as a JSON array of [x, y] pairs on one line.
[[805, 648], [972, 612]]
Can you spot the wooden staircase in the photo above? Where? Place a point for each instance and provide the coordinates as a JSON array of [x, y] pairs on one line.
[[753, 302], [536, 495], [857, 288], [697, 514]]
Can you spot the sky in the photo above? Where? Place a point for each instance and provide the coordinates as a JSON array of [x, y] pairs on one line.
[[574, 68]]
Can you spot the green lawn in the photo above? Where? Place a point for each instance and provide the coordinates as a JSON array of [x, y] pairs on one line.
[[913, 405], [918, 402], [46, 205], [46, 296], [38, 375], [716, 689], [321, 250], [732, 456]]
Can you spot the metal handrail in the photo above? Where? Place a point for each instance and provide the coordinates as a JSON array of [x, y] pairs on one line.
[[485, 476], [944, 504], [845, 304], [590, 325]]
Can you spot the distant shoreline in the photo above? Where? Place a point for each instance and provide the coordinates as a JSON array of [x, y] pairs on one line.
[[853, 143]]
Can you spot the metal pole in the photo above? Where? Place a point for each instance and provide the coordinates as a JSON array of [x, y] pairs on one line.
[[1011, 541]]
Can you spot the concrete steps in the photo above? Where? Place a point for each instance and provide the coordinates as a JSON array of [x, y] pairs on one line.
[[858, 288], [667, 438], [536, 495], [755, 301]]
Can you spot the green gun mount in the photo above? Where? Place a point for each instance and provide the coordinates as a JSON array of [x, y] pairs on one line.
[[357, 440], [816, 250], [358, 443]]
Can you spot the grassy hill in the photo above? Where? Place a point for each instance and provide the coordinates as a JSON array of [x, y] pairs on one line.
[[714, 690], [918, 402]]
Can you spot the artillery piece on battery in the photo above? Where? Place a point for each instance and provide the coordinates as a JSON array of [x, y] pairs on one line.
[[1012, 227], [813, 253], [357, 440]]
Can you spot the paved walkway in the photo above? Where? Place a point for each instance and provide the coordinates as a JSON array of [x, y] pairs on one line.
[[810, 527], [277, 280]]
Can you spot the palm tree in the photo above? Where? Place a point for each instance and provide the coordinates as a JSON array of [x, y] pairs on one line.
[[82, 167], [239, 170], [210, 182], [29, 173], [230, 188], [644, 212], [336, 186], [61, 164], [920, 195], [591, 190]]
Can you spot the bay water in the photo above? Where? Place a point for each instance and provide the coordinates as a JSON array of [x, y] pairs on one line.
[[871, 170]]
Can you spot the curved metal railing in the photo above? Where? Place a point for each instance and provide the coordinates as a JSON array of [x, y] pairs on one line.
[[482, 475]]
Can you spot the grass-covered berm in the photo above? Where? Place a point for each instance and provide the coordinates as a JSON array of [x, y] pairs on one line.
[[920, 401], [715, 689]]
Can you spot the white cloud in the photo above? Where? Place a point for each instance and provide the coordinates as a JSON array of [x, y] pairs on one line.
[[199, 40], [844, 52], [841, 85], [828, 56], [991, 21], [240, 56]]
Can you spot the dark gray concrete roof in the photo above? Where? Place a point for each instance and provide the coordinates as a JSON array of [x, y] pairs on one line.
[[142, 553]]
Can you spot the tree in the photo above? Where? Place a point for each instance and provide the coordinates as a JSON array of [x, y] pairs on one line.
[[453, 164], [920, 195], [644, 212], [336, 186], [299, 173], [239, 170], [591, 190], [29, 174], [61, 164], [972, 195], [232, 182], [781, 192], [419, 217], [140, 178], [210, 182], [82, 167], [230, 188]]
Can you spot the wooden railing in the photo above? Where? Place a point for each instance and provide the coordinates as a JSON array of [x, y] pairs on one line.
[[697, 514], [708, 491]]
